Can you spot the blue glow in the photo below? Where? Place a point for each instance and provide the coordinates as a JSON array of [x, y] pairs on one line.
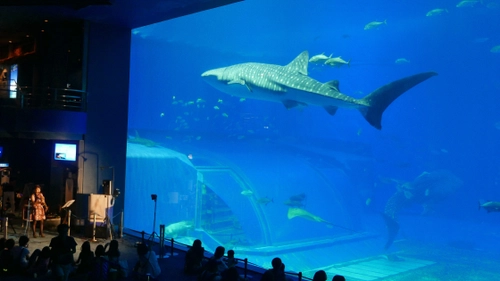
[[299, 183]]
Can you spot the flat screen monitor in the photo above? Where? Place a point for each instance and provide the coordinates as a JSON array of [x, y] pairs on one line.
[[65, 151], [13, 81]]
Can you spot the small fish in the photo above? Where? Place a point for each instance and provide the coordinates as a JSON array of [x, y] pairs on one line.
[[427, 192], [481, 39], [200, 100], [359, 131], [162, 114], [495, 49], [190, 102], [375, 24], [319, 59], [175, 102], [198, 138], [247, 193], [220, 101], [436, 12], [216, 108], [338, 62], [401, 61], [243, 99], [241, 137], [490, 206], [225, 115], [173, 97], [492, 5], [467, 3], [368, 201], [264, 201]]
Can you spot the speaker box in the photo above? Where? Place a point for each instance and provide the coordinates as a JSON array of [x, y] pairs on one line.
[[107, 187]]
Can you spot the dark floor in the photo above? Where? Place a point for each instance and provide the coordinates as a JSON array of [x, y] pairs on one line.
[[171, 266]]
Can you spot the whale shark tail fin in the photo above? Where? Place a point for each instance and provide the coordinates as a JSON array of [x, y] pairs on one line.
[[392, 230], [382, 97]]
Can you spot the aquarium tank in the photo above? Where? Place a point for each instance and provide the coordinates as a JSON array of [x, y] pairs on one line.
[[356, 137]]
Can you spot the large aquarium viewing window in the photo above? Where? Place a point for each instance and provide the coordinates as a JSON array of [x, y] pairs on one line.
[[357, 138]]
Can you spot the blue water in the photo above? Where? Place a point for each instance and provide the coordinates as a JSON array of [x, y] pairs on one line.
[[209, 147]]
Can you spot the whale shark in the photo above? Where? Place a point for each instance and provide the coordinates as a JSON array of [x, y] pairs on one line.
[[291, 86]]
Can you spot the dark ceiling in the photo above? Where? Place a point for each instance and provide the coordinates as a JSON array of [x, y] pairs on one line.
[[20, 17]]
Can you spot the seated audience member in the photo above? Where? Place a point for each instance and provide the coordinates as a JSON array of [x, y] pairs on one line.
[[85, 259], [6, 258], [231, 274], [39, 262], [100, 265], [217, 257], [211, 272], [21, 254], [194, 258], [320, 275], [277, 273], [338, 278], [112, 253], [62, 249], [230, 260], [147, 264]]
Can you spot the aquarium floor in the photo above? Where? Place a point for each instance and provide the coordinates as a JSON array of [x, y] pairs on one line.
[[377, 268], [427, 262]]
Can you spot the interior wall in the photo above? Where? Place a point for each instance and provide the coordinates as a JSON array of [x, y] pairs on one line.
[[107, 86]]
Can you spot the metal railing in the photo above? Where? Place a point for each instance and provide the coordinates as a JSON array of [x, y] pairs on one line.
[[51, 98]]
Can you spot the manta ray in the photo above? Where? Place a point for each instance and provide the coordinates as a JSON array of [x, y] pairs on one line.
[[173, 230], [301, 213], [291, 86]]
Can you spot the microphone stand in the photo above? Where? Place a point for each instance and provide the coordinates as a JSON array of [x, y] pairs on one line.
[[28, 218]]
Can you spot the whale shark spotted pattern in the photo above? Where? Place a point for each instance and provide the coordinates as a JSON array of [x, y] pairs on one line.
[[291, 86]]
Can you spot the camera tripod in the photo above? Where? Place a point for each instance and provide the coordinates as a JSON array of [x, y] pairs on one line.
[[151, 238], [110, 229]]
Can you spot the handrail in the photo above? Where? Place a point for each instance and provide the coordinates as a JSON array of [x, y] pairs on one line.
[[51, 98], [245, 260]]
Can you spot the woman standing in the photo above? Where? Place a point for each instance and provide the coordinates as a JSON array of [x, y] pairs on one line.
[[39, 209]]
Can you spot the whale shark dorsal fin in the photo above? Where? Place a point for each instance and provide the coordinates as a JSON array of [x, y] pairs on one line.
[[334, 84], [299, 64]]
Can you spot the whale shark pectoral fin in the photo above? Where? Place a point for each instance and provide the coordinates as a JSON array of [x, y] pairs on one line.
[[292, 103], [331, 109], [241, 82], [334, 84]]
